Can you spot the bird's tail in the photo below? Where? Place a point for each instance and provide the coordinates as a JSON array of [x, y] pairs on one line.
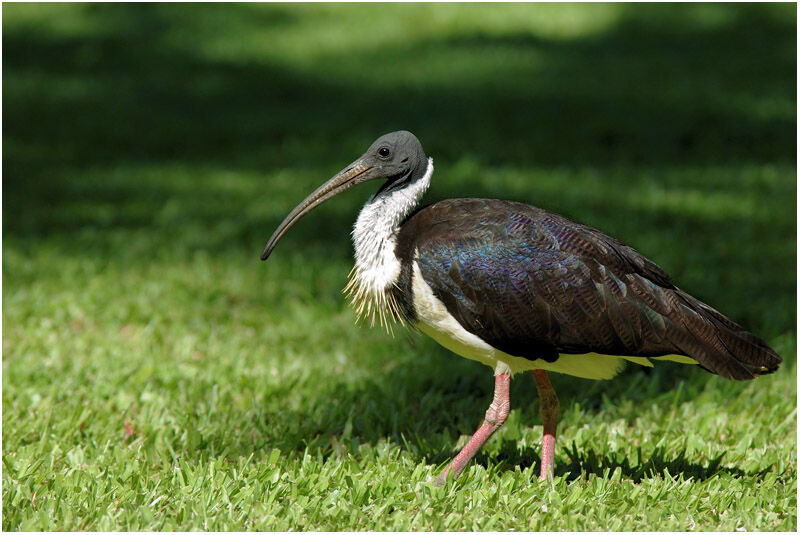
[[718, 344]]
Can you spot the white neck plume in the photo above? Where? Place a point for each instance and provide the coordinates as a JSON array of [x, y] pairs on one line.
[[375, 237]]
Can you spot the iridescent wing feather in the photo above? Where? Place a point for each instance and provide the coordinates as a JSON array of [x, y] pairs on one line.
[[535, 284]]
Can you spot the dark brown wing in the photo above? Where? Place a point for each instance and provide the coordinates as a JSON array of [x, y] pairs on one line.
[[535, 284]]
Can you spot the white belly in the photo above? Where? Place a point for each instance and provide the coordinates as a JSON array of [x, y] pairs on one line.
[[435, 321]]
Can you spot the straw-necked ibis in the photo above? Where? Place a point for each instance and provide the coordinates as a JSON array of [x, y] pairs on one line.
[[519, 288]]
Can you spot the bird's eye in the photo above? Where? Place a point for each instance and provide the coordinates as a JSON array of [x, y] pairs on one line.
[[384, 152]]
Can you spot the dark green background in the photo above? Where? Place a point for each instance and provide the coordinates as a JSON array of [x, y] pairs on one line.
[[118, 117]]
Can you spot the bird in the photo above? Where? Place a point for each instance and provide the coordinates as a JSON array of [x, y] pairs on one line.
[[518, 288]]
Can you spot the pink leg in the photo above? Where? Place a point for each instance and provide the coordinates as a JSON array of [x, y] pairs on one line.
[[548, 409], [495, 416]]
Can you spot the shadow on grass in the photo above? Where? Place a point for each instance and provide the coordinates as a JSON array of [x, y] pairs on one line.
[[585, 463], [661, 459], [657, 87]]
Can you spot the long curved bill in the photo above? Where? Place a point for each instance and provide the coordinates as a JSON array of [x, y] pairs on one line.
[[354, 174]]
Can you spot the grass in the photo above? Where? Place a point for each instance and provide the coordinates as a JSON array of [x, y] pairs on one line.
[[156, 376]]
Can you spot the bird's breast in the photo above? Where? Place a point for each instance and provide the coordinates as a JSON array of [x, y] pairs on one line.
[[435, 320]]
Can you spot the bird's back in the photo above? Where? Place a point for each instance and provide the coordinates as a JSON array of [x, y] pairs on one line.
[[535, 284]]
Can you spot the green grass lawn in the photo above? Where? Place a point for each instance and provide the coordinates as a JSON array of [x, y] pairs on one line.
[[157, 376]]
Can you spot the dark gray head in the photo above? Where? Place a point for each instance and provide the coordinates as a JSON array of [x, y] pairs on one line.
[[397, 157]]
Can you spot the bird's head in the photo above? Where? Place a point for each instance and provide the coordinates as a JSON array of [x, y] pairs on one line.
[[397, 158]]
